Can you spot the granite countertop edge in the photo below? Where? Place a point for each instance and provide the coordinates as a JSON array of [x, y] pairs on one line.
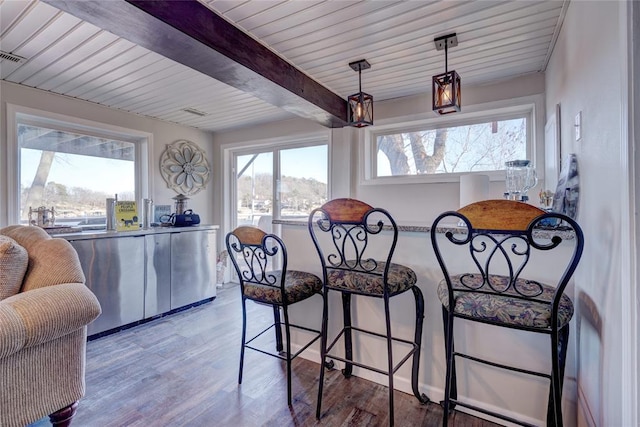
[[417, 228]]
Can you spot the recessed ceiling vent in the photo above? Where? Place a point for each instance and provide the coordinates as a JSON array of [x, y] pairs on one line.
[[11, 57], [194, 111]]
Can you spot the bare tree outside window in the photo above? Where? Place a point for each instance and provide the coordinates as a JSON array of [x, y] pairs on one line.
[[478, 147]]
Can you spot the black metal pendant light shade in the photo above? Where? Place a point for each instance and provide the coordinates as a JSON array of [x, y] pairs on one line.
[[360, 108], [446, 86]]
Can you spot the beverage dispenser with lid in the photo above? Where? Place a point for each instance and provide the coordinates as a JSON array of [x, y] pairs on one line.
[[520, 178]]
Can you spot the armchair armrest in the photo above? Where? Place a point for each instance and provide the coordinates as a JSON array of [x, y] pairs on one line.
[[44, 314]]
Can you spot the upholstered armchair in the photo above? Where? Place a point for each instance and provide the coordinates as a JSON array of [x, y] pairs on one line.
[[45, 308]]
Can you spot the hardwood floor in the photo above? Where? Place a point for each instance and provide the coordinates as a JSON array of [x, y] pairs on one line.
[[182, 370]]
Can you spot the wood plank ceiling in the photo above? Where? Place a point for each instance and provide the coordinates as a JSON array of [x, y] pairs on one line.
[[497, 40]]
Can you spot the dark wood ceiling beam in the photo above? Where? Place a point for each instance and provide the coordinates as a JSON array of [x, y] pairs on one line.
[[188, 32]]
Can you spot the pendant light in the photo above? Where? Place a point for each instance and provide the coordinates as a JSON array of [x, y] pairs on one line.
[[445, 91], [360, 108]]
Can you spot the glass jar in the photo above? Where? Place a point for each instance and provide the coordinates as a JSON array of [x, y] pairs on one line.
[[520, 178]]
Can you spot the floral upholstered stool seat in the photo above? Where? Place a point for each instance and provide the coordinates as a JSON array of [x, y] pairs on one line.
[[298, 286], [370, 279], [507, 308]]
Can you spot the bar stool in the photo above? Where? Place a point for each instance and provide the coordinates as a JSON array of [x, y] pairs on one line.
[[499, 237], [254, 254], [344, 232]]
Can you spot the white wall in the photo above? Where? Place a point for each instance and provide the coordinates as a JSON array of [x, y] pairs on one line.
[[163, 133], [588, 73]]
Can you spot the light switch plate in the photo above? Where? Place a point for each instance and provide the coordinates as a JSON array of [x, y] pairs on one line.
[[578, 125]]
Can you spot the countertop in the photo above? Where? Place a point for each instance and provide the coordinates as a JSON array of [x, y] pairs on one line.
[[102, 234], [423, 228]]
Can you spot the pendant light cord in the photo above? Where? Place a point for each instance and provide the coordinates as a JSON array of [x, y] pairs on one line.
[[446, 56]]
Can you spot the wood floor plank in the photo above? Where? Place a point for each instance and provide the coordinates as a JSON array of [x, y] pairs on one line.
[[182, 370]]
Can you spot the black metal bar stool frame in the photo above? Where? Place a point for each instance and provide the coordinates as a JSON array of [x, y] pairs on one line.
[[504, 242], [252, 252], [348, 226]]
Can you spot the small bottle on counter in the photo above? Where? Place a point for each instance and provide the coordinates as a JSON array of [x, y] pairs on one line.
[[111, 214], [147, 213]]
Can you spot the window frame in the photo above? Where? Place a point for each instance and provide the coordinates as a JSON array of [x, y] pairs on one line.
[[274, 145], [18, 114], [529, 107]]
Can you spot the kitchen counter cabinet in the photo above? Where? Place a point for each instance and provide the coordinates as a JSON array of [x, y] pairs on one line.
[[193, 262], [157, 292], [138, 275], [114, 270]]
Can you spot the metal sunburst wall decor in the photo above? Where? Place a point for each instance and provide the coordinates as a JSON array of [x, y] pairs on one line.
[[184, 167]]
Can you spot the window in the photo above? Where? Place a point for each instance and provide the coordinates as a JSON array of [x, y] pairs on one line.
[[282, 181], [71, 168], [434, 149], [303, 180], [254, 187]]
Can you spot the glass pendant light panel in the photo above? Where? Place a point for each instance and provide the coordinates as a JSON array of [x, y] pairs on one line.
[[446, 93], [360, 109]]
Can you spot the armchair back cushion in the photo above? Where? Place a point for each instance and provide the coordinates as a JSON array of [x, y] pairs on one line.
[[51, 261], [13, 265]]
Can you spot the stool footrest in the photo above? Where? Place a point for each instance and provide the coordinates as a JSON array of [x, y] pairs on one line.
[[268, 353], [492, 413], [500, 365], [371, 368]]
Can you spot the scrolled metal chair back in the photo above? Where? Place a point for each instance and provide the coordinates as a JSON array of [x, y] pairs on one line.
[[254, 253], [342, 231], [501, 236]]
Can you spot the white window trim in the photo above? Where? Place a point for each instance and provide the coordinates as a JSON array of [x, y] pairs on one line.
[[143, 143], [531, 105]]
